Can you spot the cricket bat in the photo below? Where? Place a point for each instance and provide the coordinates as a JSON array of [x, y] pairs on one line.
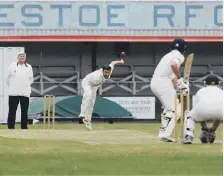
[[188, 65]]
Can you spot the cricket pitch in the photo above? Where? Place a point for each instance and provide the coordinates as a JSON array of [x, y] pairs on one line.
[[89, 137], [116, 136]]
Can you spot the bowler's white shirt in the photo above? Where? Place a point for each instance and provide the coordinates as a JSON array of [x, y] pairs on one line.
[[209, 95], [164, 69], [96, 78], [19, 78]]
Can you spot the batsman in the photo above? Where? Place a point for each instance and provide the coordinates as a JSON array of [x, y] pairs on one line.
[[90, 84], [165, 75]]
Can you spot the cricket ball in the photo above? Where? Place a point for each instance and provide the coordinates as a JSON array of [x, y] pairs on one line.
[[122, 53]]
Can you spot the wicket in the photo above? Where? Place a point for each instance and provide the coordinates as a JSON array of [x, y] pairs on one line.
[[184, 104], [49, 101]]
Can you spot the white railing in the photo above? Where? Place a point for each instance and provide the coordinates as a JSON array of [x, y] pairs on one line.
[[133, 79]]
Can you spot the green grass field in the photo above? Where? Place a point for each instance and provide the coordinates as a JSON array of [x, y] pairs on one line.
[[110, 149]]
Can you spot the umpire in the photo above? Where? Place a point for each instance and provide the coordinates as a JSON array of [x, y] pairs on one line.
[[19, 79]]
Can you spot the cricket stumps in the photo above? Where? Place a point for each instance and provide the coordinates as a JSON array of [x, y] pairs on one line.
[[185, 101], [49, 111]]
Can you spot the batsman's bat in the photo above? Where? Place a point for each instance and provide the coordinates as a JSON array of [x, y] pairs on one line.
[[188, 65]]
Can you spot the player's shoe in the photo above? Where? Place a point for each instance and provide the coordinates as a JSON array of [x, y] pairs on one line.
[[188, 140], [88, 124], [80, 120]]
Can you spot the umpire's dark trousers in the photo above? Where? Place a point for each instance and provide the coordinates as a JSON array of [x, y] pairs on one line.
[[13, 104]]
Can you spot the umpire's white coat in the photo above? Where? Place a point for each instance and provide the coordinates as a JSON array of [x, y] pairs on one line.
[[209, 104], [19, 78], [90, 84], [162, 87]]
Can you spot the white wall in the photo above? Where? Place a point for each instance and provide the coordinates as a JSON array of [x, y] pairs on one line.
[[7, 56]]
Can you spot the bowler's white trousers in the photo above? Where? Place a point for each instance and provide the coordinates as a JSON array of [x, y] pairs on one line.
[[88, 100], [163, 89]]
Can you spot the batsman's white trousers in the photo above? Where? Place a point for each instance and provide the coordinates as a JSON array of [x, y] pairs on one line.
[[88, 100], [164, 90], [207, 111]]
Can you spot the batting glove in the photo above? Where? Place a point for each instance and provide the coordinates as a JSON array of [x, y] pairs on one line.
[[182, 86]]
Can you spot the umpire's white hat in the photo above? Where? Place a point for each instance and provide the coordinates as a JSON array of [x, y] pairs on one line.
[[21, 53]]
